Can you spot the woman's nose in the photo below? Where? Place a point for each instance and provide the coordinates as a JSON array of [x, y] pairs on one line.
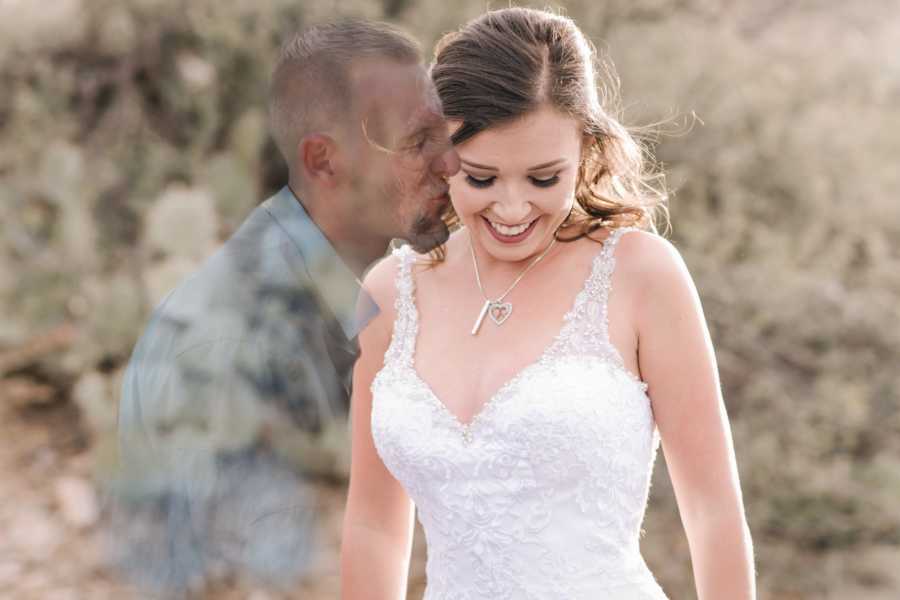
[[512, 211]]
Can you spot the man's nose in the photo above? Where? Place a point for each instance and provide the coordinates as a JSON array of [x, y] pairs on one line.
[[447, 164]]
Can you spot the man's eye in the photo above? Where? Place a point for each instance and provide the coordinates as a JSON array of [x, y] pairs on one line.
[[551, 181], [480, 183], [436, 137]]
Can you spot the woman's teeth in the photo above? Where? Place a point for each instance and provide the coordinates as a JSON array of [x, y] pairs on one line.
[[504, 230]]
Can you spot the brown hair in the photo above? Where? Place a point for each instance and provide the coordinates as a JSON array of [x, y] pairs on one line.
[[310, 86], [507, 63]]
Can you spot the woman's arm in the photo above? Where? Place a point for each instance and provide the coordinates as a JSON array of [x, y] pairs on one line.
[[378, 521], [677, 360]]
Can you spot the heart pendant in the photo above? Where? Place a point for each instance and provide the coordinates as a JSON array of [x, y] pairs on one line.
[[500, 312]]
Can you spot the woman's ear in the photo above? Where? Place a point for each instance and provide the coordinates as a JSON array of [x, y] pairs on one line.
[[316, 154], [587, 141], [590, 153]]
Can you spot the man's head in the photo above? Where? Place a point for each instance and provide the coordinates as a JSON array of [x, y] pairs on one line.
[[360, 125]]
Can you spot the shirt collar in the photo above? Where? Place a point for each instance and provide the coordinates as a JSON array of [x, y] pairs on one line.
[[333, 279]]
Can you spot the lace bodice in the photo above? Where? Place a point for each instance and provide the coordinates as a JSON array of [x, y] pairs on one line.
[[542, 495]]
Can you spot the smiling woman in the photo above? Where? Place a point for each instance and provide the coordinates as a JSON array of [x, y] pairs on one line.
[[538, 93], [526, 441], [517, 183]]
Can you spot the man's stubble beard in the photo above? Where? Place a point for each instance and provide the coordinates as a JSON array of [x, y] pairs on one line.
[[423, 226], [407, 204], [427, 232]]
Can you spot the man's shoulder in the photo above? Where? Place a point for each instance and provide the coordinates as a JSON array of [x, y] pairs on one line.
[[255, 264], [259, 252]]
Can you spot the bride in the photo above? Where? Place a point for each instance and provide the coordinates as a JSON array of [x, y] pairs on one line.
[[519, 380]]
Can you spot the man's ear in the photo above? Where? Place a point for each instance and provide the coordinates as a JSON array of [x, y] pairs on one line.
[[316, 156]]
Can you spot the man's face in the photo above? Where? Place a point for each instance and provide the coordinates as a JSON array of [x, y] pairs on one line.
[[403, 156]]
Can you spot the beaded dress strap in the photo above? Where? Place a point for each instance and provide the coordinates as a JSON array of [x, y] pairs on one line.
[[403, 338], [602, 276], [607, 266], [586, 329]]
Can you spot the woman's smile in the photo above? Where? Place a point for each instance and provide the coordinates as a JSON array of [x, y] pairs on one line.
[[509, 234]]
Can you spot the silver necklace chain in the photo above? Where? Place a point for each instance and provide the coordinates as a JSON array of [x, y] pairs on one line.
[[498, 310]]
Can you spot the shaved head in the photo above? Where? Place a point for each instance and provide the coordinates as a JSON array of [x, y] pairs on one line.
[[312, 87]]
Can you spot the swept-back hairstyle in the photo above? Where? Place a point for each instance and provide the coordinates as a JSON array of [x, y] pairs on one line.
[[310, 86], [506, 63]]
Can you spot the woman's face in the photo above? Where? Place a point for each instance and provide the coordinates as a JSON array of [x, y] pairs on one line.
[[517, 183]]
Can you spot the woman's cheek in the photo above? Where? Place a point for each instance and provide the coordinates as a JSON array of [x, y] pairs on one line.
[[463, 202]]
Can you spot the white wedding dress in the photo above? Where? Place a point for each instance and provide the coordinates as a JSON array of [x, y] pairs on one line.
[[542, 496]]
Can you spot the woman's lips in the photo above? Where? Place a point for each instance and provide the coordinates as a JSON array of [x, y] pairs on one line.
[[509, 239]]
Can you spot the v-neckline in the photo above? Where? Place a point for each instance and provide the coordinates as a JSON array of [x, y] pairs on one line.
[[519, 374]]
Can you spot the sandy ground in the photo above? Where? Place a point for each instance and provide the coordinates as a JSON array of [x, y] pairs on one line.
[[55, 539]]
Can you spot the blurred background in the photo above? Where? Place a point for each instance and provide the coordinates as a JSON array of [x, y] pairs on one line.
[[133, 141]]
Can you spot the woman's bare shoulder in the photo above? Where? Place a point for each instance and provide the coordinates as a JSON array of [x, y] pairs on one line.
[[380, 280], [645, 254], [380, 283], [429, 271], [656, 273]]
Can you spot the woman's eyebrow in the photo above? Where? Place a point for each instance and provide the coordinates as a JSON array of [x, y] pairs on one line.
[[534, 168]]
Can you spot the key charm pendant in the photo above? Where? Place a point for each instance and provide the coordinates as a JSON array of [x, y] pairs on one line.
[[481, 315]]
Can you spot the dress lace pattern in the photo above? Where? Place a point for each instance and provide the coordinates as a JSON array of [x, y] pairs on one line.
[[541, 496]]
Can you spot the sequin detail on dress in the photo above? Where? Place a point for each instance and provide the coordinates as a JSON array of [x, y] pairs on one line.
[[542, 495]]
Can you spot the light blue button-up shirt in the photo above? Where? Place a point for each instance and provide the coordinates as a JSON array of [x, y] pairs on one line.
[[332, 278], [260, 339]]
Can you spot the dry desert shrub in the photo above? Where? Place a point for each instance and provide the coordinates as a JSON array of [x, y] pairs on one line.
[[780, 135]]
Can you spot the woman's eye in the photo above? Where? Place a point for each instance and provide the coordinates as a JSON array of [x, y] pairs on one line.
[[545, 182], [479, 183]]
